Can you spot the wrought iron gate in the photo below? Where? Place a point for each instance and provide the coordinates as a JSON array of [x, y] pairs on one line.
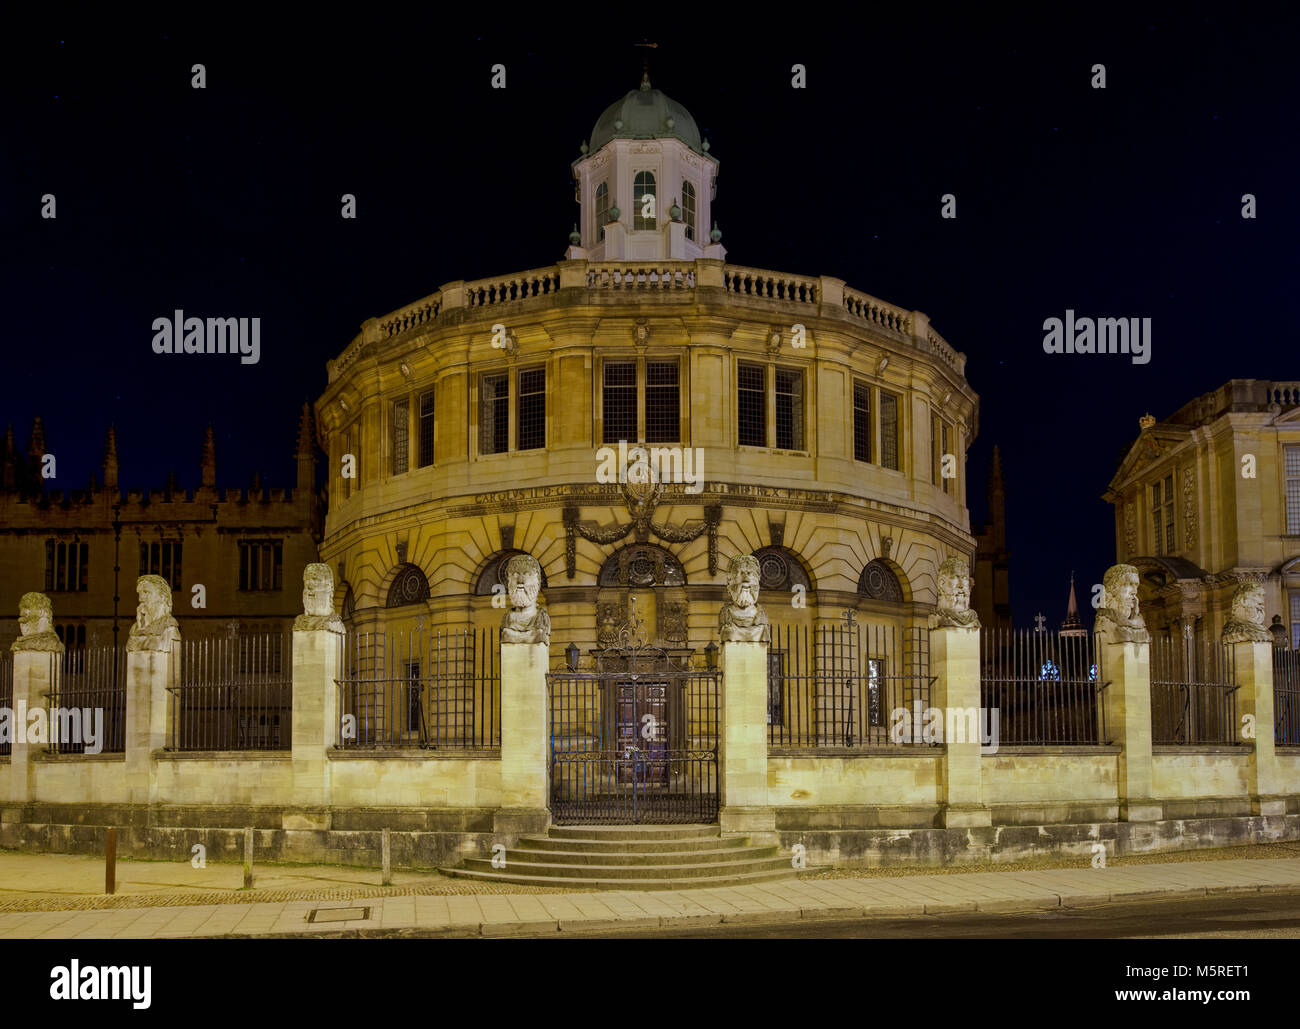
[[635, 740]]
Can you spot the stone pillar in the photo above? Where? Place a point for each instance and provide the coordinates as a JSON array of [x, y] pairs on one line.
[[315, 713], [1254, 661], [148, 714], [524, 751], [573, 273], [955, 662], [35, 674], [1126, 666], [742, 743]]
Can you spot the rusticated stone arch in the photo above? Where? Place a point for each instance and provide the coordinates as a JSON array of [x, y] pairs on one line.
[[492, 572], [409, 586]]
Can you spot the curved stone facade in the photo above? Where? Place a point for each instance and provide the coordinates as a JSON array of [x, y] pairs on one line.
[[417, 400]]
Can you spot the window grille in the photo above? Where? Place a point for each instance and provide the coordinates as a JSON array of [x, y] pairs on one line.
[[494, 414], [618, 404], [1292, 459], [426, 429], [789, 409], [531, 417], [688, 209], [662, 402], [889, 430], [1162, 516], [861, 422], [751, 405], [401, 435]]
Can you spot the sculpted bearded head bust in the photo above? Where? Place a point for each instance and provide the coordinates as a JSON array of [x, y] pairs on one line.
[[154, 628], [1246, 619], [1119, 615], [742, 620], [953, 609], [525, 622], [36, 624], [318, 600]]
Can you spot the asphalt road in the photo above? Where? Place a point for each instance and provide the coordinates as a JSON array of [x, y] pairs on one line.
[[1275, 916]]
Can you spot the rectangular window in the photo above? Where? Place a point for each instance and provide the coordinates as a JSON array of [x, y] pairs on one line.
[[940, 442], [401, 436], [162, 558], [1162, 516], [66, 565], [861, 422], [662, 402], [1292, 462], [618, 402], [789, 409], [494, 414], [261, 565], [935, 462], [751, 405], [426, 429], [889, 430], [531, 416]]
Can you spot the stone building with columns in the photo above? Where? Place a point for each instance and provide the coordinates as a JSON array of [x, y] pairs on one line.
[[1209, 497]]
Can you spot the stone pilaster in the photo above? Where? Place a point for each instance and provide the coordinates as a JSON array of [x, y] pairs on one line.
[[1254, 663], [1127, 668], [524, 744], [742, 744], [148, 715], [955, 662], [35, 674], [316, 654]]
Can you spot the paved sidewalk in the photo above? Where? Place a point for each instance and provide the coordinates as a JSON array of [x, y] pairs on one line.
[[547, 914]]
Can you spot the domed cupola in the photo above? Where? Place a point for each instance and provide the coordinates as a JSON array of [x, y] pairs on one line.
[[646, 183]]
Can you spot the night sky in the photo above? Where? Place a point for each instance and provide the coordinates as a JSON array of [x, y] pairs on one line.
[[1122, 202]]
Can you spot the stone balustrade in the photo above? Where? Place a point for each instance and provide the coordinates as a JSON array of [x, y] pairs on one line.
[[754, 282], [502, 289], [626, 275]]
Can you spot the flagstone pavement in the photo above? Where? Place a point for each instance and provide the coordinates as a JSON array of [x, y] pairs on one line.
[[399, 913]]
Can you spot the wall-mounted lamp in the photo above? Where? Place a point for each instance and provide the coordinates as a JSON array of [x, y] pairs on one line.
[[711, 655], [571, 656]]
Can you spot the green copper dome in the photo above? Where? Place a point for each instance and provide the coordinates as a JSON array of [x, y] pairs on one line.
[[645, 113]]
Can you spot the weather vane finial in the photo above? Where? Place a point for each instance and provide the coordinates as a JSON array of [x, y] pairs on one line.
[[645, 64]]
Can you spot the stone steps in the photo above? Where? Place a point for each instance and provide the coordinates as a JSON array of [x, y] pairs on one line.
[[631, 857]]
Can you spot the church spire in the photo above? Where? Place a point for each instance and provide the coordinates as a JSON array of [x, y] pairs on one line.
[[10, 471], [997, 501], [110, 459], [208, 461], [1073, 625], [306, 453]]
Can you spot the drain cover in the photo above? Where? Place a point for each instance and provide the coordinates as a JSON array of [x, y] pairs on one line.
[[339, 915]]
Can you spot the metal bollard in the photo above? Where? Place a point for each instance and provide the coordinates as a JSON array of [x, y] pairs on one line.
[[248, 858], [110, 860]]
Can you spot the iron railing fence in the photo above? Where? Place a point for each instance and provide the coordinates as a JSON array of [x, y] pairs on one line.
[[1042, 688], [423, 687], [86, 704], [7, 699], [1286, 698], [843, 685], [234, 693], [1193, 692], [638, 746]]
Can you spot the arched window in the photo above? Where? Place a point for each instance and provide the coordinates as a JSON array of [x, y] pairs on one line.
[[643, 188], [602, 210], [409, 587], [879, 582], [494, 573], [688, 209], [779, 570]]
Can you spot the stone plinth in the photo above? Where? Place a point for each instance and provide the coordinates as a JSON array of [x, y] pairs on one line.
[[315, 713], [1254, 663], [524, 743], [148, 674], [1126, 667], [35, 674], [955, 662], [742, 743]]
